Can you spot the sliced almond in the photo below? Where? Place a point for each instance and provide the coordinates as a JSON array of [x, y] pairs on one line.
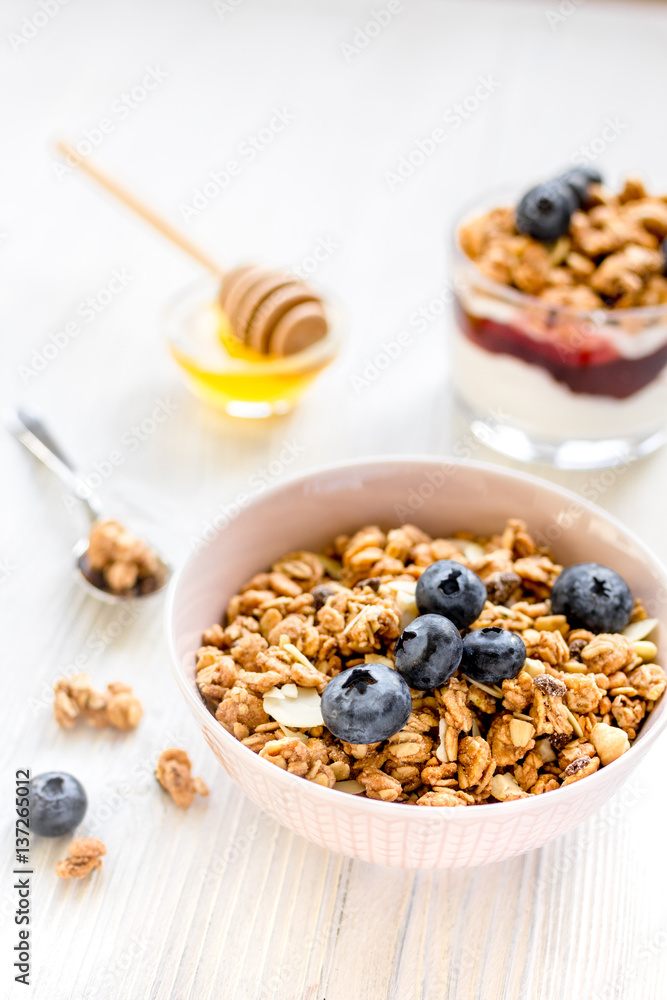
[[521, 732], [441, 752], [640, 630], [574, 722], [495, 692], [295, 653], [472, 551], [376, 658], [302, 712], [403, 592], [407, 586], [503, 611], [545, 750], [330, 567], [292, 733], [350, 786], [503, 787]]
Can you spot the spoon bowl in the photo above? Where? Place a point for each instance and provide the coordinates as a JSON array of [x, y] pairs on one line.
[[89, 581], [33, 435]]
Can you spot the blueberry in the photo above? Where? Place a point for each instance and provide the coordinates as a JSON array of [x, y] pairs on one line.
[[57, 803], [366, 704], [579, 179], [544, 211], [491, 655], [593, 597], [428, 652], [450, 589]]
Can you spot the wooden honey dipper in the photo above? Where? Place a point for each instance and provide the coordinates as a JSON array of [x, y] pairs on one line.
[[271, 312]]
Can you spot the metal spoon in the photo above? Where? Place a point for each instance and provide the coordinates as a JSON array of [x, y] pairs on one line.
[[31, 432]]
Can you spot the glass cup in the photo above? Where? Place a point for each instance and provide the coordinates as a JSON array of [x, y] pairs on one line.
[[230, 376], [545, 383]]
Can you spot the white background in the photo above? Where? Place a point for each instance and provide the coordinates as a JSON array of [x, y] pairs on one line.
[[273, 916]]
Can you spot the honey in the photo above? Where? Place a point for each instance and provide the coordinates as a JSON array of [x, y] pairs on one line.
[[230, 376]]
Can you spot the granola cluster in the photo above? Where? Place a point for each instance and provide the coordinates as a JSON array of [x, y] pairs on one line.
[[576, 705], [611, 256], [76, 699], [84, 855], [125, 562], [174, 772]]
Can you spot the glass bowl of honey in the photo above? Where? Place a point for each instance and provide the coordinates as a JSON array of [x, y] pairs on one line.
[[231, 376]]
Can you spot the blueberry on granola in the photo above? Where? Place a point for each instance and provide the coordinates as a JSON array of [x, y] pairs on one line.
[[366, 704], [450, 589], [593, 597], [579, 179], [428, 652], [492, 655], [57, 803], [544, 211]]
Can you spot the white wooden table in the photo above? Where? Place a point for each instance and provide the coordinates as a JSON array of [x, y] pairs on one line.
[[219, 901]]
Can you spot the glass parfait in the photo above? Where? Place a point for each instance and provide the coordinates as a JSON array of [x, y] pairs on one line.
[[543, 382]]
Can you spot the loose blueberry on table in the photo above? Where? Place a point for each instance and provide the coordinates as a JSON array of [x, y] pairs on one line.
[[58, 803]]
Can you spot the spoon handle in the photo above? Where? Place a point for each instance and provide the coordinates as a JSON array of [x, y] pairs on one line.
[[31, 432]]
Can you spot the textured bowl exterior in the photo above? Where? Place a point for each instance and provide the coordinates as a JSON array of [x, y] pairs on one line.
[[441, 497]]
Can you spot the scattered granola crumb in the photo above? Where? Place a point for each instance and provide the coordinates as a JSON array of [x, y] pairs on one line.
[[85, 855], [75, 699], [174, 772]]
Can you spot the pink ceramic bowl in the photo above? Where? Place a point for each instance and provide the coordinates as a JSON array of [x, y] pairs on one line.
[[441, 497]]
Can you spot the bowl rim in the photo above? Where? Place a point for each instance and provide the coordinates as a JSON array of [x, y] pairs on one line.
[[597, 317], [363, 803]]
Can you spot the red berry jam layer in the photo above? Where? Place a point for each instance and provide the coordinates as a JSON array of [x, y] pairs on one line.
[[594, 367]]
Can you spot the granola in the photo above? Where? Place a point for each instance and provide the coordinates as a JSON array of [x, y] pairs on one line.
[[84, 856], [174, 772], [118, 561], [575, 706], [610, 257], [75, 698]]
